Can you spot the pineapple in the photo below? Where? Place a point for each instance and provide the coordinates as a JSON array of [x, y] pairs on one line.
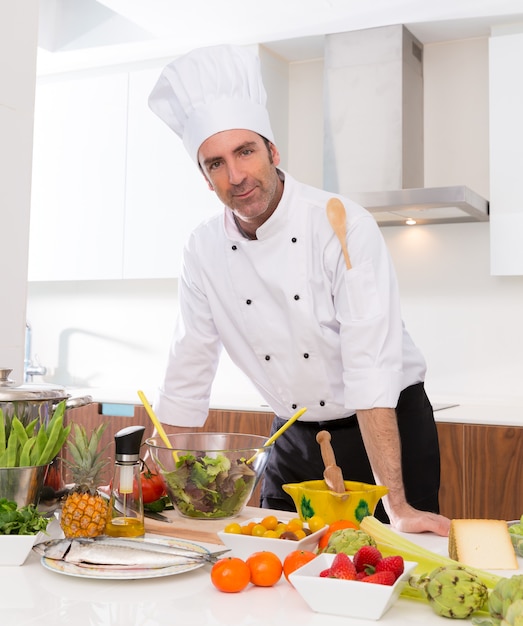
[[84, 510]]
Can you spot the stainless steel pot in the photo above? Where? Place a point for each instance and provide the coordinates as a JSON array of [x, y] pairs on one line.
[[29, 402], [32, 400]]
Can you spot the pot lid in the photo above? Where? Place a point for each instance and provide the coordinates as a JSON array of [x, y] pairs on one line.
[[30, 391]]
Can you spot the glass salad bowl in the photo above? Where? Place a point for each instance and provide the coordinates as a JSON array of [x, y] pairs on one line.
[[210, 475]]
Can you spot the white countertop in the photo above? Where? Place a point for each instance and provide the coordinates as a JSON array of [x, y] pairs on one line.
[[491, 411], [32, 595]]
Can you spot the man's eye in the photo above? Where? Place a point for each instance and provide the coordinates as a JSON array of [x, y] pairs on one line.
[[214, 165]]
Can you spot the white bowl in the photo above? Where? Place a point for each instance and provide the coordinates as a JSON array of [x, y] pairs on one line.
[[14, 549], [349, 598], [243, 546]]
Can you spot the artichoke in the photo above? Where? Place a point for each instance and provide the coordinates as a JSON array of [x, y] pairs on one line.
[[452, 591], [506, 591], [514, 615], [348, 540]]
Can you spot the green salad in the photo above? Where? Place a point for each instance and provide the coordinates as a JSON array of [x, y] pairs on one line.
[[25, 520], [209, 487]]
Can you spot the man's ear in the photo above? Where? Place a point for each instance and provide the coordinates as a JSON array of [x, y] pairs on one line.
[[275, 154]]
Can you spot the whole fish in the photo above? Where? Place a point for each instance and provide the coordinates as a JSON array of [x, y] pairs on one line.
[[121, 553]]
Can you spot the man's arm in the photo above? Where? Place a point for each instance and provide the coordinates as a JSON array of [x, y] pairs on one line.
[[379, 430]]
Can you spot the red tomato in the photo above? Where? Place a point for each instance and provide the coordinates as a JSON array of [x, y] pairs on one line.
[[153, 486]]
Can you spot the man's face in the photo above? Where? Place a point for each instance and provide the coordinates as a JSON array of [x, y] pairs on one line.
[[242, 171]]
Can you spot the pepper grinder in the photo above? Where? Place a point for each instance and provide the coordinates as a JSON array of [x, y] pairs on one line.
[[125, 517]]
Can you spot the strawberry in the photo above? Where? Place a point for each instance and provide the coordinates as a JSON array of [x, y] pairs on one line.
[[394, 564], [366, 558], [342, 567], [325, 573], [385, 577]]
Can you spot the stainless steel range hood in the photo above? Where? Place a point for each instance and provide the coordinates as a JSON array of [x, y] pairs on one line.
[[373, 149]]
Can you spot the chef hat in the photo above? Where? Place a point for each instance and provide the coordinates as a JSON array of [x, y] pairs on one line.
[[210, 90]]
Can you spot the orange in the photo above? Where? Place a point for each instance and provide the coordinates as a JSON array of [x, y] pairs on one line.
[[296, 559], [230, 574], [265, 567], [337, 525]]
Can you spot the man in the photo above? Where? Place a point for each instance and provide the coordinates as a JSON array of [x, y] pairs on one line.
[[267, 280]]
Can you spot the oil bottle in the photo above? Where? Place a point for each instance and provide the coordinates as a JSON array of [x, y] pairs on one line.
[[125, 517]]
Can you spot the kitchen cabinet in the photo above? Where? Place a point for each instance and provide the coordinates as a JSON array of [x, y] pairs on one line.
[[115, 195], [506, 153], [166, 196], [451, 443], [77, 206], [481, 465], [493, 467], [481, 471]]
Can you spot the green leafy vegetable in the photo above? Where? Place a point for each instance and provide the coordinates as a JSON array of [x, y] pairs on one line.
[[21, 447], [162, 504], [209, 487], [25, 520]]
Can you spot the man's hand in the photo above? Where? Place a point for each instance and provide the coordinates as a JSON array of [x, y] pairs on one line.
[[379, 430], [410, 520]]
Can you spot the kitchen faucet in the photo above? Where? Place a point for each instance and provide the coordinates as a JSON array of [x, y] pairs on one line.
[[30, 369]]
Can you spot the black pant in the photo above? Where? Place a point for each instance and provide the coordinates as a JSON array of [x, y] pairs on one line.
[[296, 455]]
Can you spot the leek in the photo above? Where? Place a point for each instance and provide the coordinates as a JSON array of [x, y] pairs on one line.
[[390, 543]]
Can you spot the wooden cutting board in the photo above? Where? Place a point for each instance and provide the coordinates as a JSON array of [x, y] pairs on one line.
[[204, 529]]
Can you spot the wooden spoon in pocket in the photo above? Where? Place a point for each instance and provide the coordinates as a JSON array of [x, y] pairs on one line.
[[338, 221], [332, 475]]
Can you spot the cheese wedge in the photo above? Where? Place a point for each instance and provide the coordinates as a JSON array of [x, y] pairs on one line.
[[482, 543]]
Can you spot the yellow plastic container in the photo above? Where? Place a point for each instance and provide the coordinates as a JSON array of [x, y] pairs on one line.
[[312, 497]]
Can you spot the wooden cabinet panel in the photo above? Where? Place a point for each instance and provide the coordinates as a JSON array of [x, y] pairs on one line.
[[451, 494], [481, 466], [493, 464]]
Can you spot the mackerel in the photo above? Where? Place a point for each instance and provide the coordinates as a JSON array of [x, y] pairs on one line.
[[115, 552]]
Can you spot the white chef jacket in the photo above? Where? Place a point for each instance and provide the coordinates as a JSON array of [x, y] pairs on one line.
[[305, 330]]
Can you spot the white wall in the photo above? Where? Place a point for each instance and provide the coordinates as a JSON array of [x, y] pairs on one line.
[[467, 323], [18, 38]]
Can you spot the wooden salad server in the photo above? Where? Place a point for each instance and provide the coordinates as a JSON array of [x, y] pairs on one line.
[[338, 220], [332, 475]]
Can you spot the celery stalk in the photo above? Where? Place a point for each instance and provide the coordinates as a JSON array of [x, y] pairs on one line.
[[390, 543]]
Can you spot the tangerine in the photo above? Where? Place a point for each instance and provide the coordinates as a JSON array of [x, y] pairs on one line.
[[265, 567], [296, 559], [230, 574], [337, 525]]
